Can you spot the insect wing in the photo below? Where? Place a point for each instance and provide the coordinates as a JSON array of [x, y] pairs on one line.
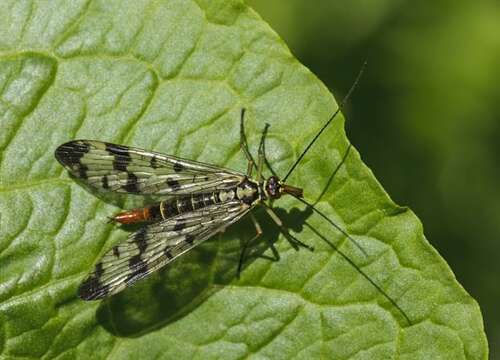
[[156, 245], [124, 169]]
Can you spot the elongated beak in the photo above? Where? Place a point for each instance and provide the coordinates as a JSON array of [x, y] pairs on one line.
[[292, 190]]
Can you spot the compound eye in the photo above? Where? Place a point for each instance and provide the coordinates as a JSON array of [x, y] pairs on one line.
[[273, 187]]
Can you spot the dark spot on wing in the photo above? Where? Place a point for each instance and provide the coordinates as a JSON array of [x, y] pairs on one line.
[[179, 226], [117, 149], [131, 186], [121, 154], [178, 167], [82, 171], [174, 184], [116, 251], [92, 289], [190, 239], [138, 269], [104, 182], [98, 271], [153, 162], [136, 262], [71, 153], [167, 253], [140, 240]]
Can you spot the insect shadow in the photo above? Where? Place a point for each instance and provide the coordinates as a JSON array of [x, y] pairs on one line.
[[179, 288], [185, 284]]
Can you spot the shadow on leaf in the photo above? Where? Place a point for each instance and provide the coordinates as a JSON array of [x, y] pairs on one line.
[[183, 285]]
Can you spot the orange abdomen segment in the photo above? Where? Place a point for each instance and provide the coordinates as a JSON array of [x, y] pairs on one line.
[[133, 216]]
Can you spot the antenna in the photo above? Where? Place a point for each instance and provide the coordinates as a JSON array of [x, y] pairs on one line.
[[391, 300], [332, 223], [341, 106]]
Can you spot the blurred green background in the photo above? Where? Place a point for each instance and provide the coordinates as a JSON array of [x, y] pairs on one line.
[[425, 118]]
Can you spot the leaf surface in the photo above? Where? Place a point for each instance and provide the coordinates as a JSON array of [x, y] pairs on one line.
[[172, 76]]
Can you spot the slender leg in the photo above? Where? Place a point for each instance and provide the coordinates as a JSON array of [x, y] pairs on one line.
[[291, 239], [276, 254], [262, 149], [244, 144], [261, 155], [259, 232]]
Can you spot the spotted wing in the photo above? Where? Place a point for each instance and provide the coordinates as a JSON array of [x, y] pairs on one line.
[[156, 245], [124, 169]]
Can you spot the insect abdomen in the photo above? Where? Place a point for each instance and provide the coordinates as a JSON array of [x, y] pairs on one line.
[[168, 208], [146, 214], [188, 203]]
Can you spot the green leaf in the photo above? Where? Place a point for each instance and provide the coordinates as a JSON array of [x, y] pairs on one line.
[[172, 76]]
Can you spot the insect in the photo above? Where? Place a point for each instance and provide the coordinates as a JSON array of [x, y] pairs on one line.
[[201, 200]]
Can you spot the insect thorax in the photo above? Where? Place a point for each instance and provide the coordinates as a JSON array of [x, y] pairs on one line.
[[248, 191]]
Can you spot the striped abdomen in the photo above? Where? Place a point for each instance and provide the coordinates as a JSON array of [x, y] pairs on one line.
[[172, 207], [247, 192]]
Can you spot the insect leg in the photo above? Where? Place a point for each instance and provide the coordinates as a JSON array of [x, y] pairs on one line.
[[244, 144], [263, 151], [259, 231], [291, 239], [261, 154]]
